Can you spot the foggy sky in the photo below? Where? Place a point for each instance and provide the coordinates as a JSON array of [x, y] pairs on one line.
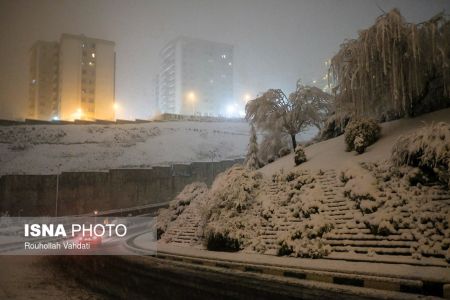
[[276, 41]]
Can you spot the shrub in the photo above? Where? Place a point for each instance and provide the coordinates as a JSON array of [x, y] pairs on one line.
[[284, 151], [228, 225], [216, 241], [428, 149], [306, 241], [334, 126], [359, 134], [299, 156]]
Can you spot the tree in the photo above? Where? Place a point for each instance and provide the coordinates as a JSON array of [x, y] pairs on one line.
[[394, 68], [251, 160], [274, 110]]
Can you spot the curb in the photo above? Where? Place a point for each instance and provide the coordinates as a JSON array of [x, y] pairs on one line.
[[411, 286]]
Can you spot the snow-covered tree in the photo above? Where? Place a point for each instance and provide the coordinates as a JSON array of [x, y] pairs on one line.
[[394, 68], [251, 160], [274, 110]]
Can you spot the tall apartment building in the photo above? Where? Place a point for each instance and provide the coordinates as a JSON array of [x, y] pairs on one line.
[[43, 86], [83, 79], [195, 77]]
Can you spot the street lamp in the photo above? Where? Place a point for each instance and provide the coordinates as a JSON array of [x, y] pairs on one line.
[[78, 114], [191, 98]]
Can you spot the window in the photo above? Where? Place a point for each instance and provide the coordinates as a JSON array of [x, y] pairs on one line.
[[93, 55]]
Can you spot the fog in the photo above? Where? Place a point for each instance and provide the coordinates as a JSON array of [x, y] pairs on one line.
[[276, 41]]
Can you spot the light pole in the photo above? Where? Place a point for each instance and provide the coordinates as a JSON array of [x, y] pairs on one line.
[[56, 196], [191, 97], [57, 189]]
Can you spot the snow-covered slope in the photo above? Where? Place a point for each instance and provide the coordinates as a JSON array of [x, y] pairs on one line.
[[331, 154], [332, 206], [43, 149]]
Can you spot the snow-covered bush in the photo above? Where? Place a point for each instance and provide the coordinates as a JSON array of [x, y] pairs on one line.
[[221, 241], [271, 144], [314, 248], [334, 126], [228, 222], [428, 148], [252, 160], [306, 240], [299, 156], [191, 192], [359, 134], [284, 151]]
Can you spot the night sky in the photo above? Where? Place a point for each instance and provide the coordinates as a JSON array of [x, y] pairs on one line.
[[276, 41]]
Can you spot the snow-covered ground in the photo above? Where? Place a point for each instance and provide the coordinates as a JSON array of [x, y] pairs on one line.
[[40, 149], [338, 205], [331, 154]]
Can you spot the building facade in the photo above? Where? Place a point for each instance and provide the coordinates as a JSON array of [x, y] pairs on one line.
[[195, 77], [43, 85], [85, 80]]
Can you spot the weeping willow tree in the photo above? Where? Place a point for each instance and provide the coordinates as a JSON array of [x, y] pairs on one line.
[[393, 67], [273, 110]]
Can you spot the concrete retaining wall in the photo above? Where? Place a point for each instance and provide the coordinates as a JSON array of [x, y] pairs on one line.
[[84, 192]]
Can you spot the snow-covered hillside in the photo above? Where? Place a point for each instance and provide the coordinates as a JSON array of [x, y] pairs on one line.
[[338, 205], [39, 149], [331, 154]]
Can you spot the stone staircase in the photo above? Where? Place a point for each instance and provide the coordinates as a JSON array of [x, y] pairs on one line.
[[348, 236], [185, 230]]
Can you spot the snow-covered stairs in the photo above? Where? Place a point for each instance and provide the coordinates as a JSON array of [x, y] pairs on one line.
[[185, 230], [349, 236], [279, 223]]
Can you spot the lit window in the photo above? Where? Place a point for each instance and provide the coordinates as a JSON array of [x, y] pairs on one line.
[[224, 56], [230, 64], [91, 63], [93, 55], [33, 81]]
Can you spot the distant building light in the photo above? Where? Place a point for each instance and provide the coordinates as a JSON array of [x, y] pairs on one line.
[[33, 81], [224, 56], [230, 64], [93, 55], [91, 63]]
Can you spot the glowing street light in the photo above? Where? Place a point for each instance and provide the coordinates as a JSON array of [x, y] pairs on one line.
[[192, 98], [78, 114]]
